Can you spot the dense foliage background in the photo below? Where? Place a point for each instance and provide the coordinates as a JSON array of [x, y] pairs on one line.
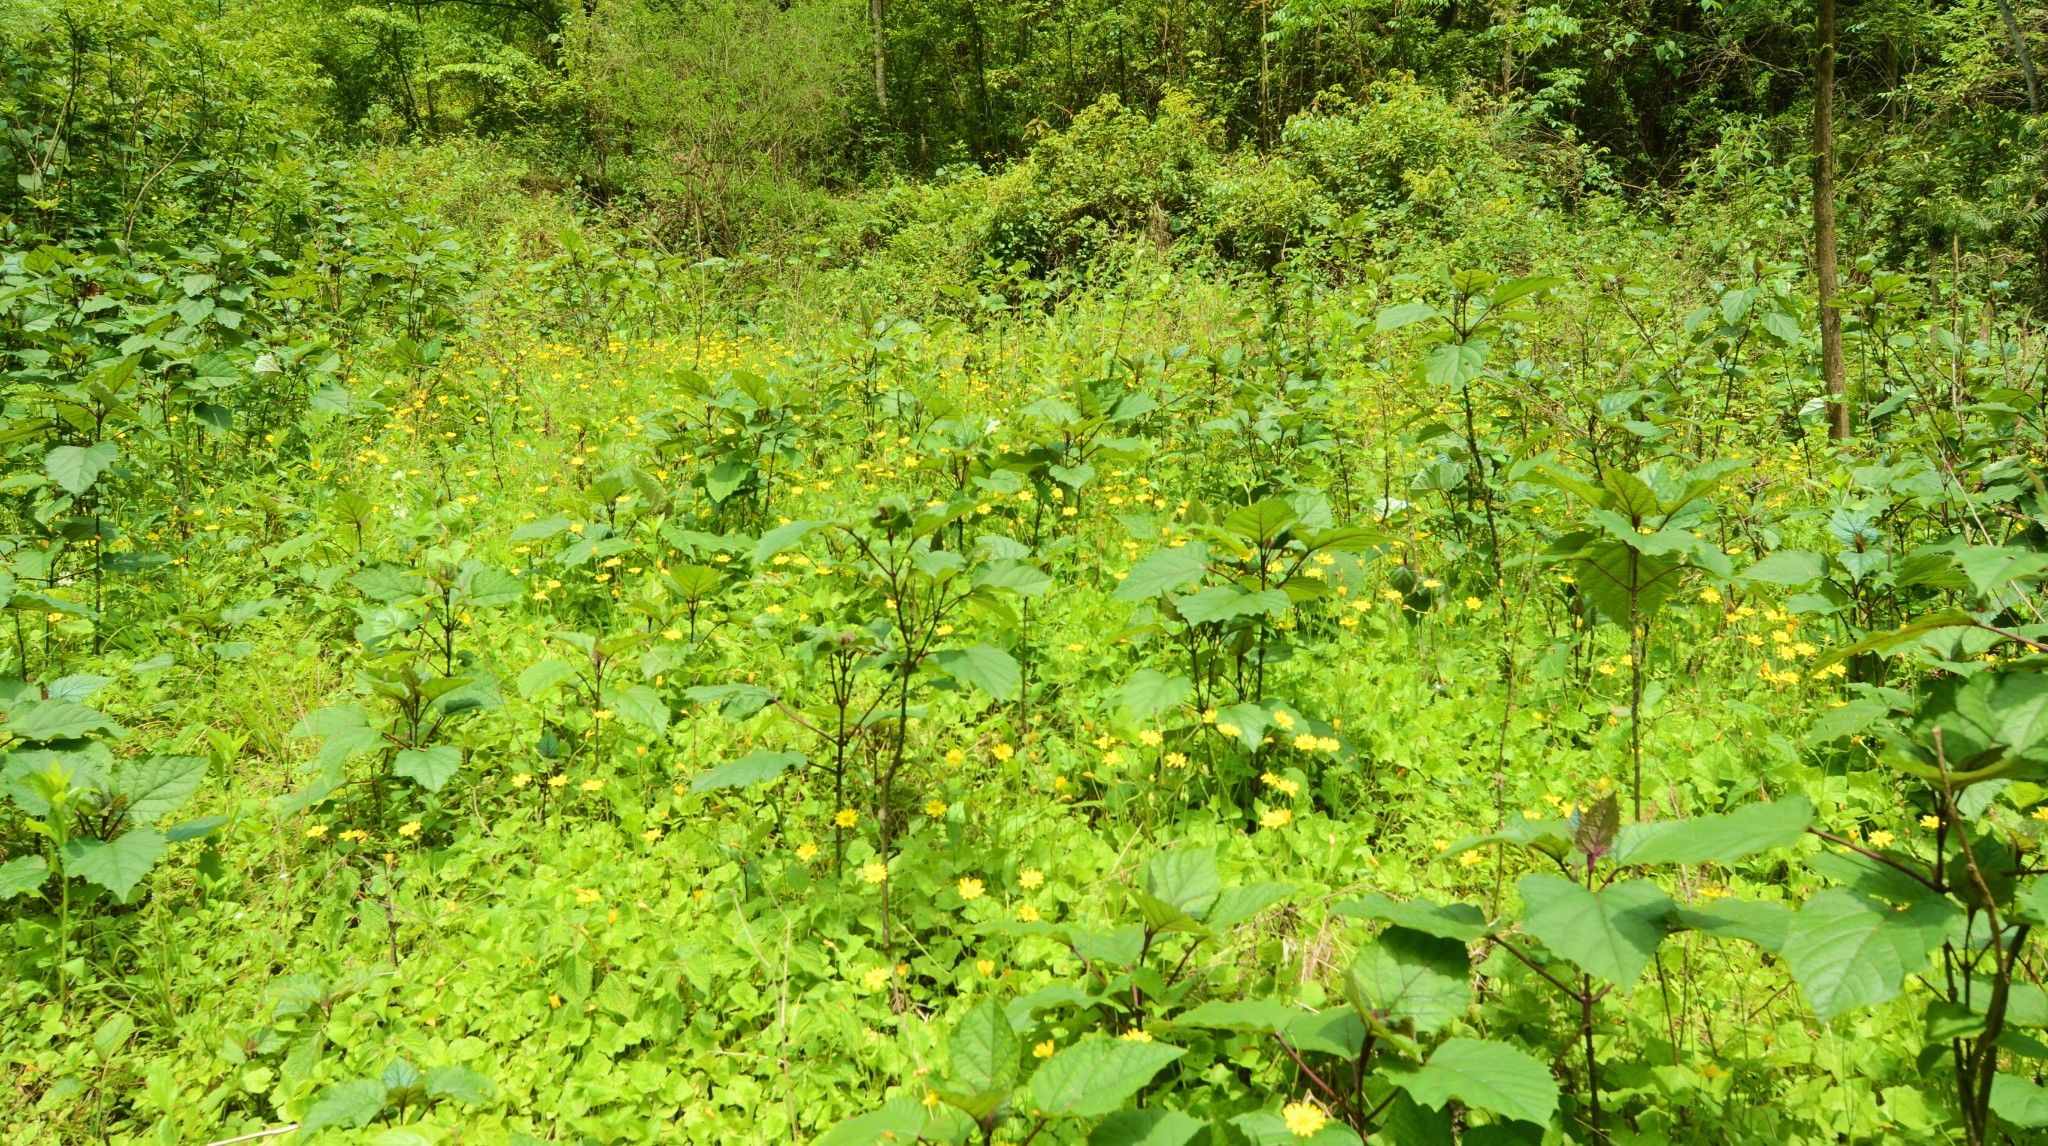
[[1160, 573]]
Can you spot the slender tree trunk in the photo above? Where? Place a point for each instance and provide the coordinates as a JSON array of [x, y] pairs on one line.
[[881, 68], [2019, 47], [1831, 368]]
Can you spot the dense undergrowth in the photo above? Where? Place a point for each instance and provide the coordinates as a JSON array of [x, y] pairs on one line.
[[1161, 642]]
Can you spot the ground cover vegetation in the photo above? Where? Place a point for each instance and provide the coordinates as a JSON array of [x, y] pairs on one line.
[[992, 572]]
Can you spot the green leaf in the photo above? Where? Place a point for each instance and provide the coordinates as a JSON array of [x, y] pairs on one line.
[[430, 767], [76, 468], [778, 539], [194, 829], [1407, 975], [1460, 921], [1788, 567], [1185, 878], [390, 585], [1150, 692], [1019, 577], [986, 667], [543, 675], [1261, 1015], [899, 1122], [724, 478], [1716, 839], [59, 720], [1608, 570], [1404, 314], [1236, 904], [1096, 1075], [350, 1105], [1754, 921], [22, 875], [1611, 932], [2019, 1101], [1890, 639], [1513, 289], [1453, 365], [641, 705], [1847, 951], [1487, 1075], [983, 1055], [1153, 1126], [117, 866], [1165, 570], [158, 785], [1227, 602], [756, 767], [1262, 522], [457, 1082]]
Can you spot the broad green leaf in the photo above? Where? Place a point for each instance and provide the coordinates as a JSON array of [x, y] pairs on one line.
[[1096, 1075], [1250, 720], [725, 477], [776, 540], [1460, 921], [2019, 1101], [1454, 365], [1021, 578], [1186, 878], [489, 587], [194, 829], [1406, 975], [389, 584], [430, 767], [349, 1105], [457, 1082], [1261, 1015], [982, 1056], [1907, 632], [1150, 692], [1788, 567], [1716, 839], [1262, 522], [1608, 571], [1234, 905], [59, 720], [986, 667], [734, 701], [22, 875], [1153, 1126], [1487, 1075], [117, 865], [899, 1122], [1165, 570], [1513, 289], [1611, 932], [1754, 921], [543, 675], [1224, 603], [1339, 1031], [756, 767], [641, 705], [158, 785], [1847, 951], [76, 468], [1404, 314]]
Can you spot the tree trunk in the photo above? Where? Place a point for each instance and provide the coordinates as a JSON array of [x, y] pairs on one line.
[[1825, 268], [881, 70], [2019, 46]]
